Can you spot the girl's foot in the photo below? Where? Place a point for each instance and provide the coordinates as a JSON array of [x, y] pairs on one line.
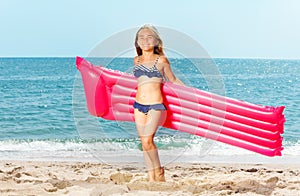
[[160, 174], [151, 176]]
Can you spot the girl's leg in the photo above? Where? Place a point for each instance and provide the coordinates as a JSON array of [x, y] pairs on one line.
[[147, 126], [140, 121]]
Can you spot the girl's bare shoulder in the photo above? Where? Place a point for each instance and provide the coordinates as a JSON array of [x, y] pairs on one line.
[[163, 60], [136, 60]]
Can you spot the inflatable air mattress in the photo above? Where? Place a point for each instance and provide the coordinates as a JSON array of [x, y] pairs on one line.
[[110, 95]]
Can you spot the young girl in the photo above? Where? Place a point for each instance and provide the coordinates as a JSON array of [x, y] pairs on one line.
[[150, 68]]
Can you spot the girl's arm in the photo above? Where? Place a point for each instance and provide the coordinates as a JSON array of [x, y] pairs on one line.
[[168, 71]]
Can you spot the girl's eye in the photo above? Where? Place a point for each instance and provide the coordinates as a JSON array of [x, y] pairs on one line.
[[150, 37]]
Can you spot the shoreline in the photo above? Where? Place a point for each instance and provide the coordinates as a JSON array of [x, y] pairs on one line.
[[130, 178], [137, 156]]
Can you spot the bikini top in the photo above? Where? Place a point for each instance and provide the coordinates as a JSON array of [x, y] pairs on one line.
[[141, 70]]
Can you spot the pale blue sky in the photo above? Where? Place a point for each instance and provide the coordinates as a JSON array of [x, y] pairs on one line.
[[225, 28]]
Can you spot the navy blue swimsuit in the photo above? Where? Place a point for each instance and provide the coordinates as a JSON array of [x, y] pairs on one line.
[[141, 70], [146, 108]]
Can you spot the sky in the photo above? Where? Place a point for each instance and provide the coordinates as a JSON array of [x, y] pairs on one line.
[[224, 28]]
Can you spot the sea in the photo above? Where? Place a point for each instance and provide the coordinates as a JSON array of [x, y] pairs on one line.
[[43, 115]]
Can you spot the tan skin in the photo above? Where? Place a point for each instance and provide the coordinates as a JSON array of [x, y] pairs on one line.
[[148, 93]]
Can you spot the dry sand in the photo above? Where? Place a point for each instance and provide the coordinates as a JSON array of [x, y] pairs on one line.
[[80, 178]]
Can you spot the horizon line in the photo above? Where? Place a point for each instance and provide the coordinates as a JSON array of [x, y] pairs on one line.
[[260, 58]]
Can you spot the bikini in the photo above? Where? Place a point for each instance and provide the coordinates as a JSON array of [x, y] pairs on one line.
[[141, 70]]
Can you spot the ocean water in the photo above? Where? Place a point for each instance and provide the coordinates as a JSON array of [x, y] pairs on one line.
[[43, 114]]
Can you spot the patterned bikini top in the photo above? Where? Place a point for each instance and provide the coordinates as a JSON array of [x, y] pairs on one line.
[[141, 70]]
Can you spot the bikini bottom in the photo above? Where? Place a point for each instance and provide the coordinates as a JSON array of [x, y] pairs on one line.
[[146, 108]]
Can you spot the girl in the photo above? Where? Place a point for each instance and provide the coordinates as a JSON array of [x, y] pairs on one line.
[[150, 68]]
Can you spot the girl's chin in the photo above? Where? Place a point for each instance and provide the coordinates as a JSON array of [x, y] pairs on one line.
[[147, 48]]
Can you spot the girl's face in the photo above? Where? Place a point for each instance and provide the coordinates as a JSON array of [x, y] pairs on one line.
[[146, 40]]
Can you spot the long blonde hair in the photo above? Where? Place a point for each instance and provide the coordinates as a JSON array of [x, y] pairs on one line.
[[158, 49]]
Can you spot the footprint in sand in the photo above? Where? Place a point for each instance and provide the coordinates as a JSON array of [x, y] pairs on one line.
[[60, 184], [256, 187], [272, 180], [53, 176], [49, 187], [120, 178], [16, 169]]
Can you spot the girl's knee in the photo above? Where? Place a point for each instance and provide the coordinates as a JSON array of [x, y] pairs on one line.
[[147, 143]]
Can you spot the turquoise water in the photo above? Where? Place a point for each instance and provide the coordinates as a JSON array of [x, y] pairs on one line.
[[43, 114]]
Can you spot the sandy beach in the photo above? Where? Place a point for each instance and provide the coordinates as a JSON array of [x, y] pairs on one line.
[[81, 178]]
